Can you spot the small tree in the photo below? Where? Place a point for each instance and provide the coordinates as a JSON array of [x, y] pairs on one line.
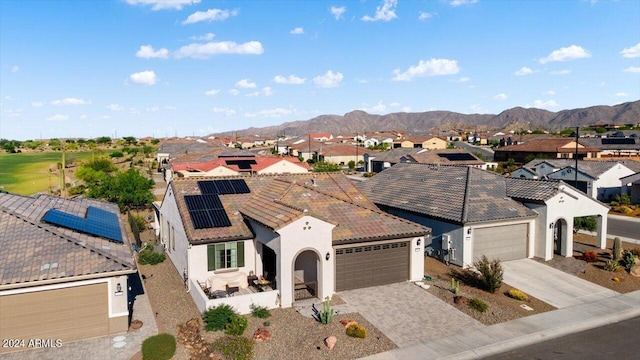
[[352, 165], [491, 273], [588, 223]]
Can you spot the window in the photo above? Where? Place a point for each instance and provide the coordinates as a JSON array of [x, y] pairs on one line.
[[225, 255], [173, 238]]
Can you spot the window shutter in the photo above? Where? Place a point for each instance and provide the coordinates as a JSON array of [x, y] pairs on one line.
[[240, 254], [211, 257]]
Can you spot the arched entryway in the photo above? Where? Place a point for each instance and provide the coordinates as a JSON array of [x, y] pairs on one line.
[[559, 236], [305, 275]]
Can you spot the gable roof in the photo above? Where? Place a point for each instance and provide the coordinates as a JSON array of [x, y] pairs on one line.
[[548, 146], [452, 193], [34, 251], [529, 189], [592, 168]]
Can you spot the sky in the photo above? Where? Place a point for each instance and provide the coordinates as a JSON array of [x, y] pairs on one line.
[[193, 67]]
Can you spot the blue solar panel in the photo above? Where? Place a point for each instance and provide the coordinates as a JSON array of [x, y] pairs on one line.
[[240, 186], [207, 187], [206, 211], [224, 187], [98, 222]]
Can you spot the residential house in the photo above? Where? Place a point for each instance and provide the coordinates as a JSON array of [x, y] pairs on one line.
[[378, 161], [473, 212], [171, 149], [341, 154], [564, 148], [631, 187], [615, 146], [239, 165], [65, 269], [320, 136], [273, 240]]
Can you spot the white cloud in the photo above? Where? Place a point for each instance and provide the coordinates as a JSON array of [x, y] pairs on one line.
[[143, 78], [212, 92], [337, 11], [70, 101], [14, 113], [462, 2], [406, 109], [210, 15], [225, 111], [153, 109], [297, 31], [245, 84], [37, 103], [115, 107], [463, 79], [234, 92], [134, 111], [328, 80], [205, 37], [83, 117], [204, 51], [424, 16], [632, 52], [105, 117], [632, 69], [560, 72], [549, 92], [277, 112], [266, 91], [384, 12], [58, 117], [622, 94], [431, 67], [9, 98], [502, 96], [15, 68], [163, 4], [524, 71], [379, 108], [540, 104], [291, 80], [565, 54], [147, 52]]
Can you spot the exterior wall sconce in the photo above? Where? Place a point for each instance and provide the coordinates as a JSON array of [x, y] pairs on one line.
[[327, 256], [118, 290], [551, 226], [419, 242], [469, 231]]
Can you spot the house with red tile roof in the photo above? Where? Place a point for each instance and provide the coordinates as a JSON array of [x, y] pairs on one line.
[[320, 136], [239, 165], [271, 240]]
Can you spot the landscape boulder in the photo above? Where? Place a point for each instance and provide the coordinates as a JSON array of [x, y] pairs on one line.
[[262, 334], [635, 270], [348, 322], [330, 342]]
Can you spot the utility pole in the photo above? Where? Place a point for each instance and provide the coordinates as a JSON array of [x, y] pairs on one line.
[[576, 156]]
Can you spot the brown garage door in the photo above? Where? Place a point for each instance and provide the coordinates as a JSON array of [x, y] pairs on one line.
[[371, 265], [501, 242], [67, 314]]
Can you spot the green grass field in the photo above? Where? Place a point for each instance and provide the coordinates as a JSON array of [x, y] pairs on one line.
[[28, 173]]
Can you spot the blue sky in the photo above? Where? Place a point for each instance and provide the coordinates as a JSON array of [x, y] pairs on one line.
[[193, 67]]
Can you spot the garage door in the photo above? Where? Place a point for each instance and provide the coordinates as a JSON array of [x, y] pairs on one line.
[[371, 265], [67, 314], [501, 242]]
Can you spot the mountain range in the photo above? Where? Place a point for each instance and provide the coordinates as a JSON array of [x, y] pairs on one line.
[[435, 121]]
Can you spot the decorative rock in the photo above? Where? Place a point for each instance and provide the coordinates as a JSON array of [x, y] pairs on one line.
[[348, 322], [460, 300], [635, 270], [330, 342], [136, 324], [262, 334]]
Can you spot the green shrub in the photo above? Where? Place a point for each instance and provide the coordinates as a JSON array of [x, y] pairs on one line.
[[116, 154], [150, 257], [612, 265], [233, 347], [216, 318], [259, 311], [357, 331], [236, 325], [478, 305], [629, 259], [518, 295], [159, 347], [491, 273]]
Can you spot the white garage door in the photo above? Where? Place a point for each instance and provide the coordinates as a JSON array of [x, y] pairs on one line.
[[505, 243]]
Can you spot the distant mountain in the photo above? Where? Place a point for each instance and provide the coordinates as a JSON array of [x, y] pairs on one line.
[[512, 119]]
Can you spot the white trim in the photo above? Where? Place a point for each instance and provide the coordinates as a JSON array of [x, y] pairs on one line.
[[54, 287]]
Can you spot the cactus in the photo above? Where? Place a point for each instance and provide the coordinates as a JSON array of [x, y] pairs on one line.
[[326, 315], [629, 259], [617, 249], [455, 286]]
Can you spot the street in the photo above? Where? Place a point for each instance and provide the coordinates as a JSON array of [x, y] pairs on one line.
[[615, 341], [623, 226]]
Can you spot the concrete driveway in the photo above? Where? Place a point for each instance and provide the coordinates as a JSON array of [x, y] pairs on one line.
[[407, 314], [552, 286]]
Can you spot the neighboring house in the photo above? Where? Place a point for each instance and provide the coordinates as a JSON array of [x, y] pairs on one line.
[[550, 148], [341, 154], [428, 142], [598, 179], [631, 186], [307, 235], [320, 136], [378, 161], [238, 165], [171, 149], [471, 213], [57, 282], [615, 146]]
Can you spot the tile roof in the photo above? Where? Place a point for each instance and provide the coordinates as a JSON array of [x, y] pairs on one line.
[[547, 146], [260, 163], [277, 200], [453, 193], [593, 168], [529, 189], [34, 251]]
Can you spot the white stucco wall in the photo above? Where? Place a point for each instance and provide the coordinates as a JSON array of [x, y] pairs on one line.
[[282, 167], [416, 268], [608, 184], [170, 218], [198, 263]]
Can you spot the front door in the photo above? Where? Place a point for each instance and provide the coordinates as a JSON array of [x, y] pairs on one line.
[[557, 238]]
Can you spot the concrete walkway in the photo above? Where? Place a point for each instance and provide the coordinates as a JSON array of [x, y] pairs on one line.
[[550, 285], [407, 314], [500, 338]]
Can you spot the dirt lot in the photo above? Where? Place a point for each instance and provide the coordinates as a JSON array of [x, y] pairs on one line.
[[501, 307]]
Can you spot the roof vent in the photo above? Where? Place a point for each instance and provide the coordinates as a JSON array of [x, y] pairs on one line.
[[404, 202], [279, 216], [459, 178], [106, 247], [54, 266], [513, 209], [45, 267], [433, 207]]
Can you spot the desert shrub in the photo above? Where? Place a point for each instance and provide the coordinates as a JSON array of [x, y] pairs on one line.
[[357, 331], [629, 259], [368, 174], [478, 305], [518, 295], [590, 256], [233, 347], [236, 325], [159, 347], [216, 318], [623, 199], [150, 257], [116, 154], [491, 273], [612, 265], [259, 311]]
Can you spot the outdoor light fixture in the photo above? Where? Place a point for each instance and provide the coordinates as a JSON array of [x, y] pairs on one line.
[[469, 231], [327, 256], [551, 226], [419, 242], [118, 288]]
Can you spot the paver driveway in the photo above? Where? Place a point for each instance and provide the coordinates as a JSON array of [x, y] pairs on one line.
[[408, 314], [550, 285]]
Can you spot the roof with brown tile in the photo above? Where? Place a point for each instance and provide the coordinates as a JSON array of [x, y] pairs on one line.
[[34, 251], [548, 146], [277, 200]]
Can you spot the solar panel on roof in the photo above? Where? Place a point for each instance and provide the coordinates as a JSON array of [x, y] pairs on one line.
[[208, 187], [457, 156], [618, 141], [219, 218], [224, 187], [242, 164], [206, 211], [201, 219], [240, 186], [98, 222]]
